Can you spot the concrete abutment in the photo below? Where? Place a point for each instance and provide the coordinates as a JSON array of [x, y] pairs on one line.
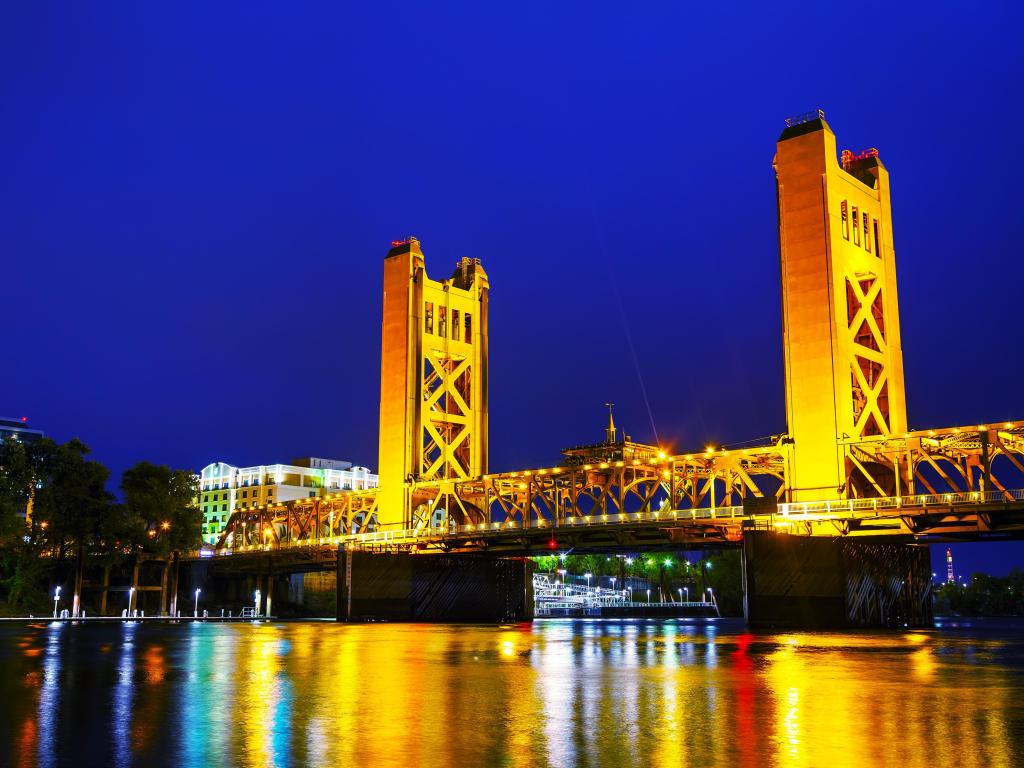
[[456, 588], [804, 582]]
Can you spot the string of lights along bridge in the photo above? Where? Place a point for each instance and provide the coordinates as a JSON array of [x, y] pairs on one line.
[[848, 484]]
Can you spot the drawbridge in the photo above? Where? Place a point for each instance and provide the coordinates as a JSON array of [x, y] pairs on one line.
[[848, 466]]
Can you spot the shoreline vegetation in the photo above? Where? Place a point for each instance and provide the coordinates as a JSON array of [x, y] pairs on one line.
[[58, 520]]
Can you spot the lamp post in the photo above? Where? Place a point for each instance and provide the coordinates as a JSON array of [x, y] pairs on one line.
[[562, 572], [613, 582], [196, 612], [56, 599], [687, 591], [256, 596], [131, 594], [587, 576], [648, 596], [680, 594]]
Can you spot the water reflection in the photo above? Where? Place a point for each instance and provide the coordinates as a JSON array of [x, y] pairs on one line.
[[558, 693]]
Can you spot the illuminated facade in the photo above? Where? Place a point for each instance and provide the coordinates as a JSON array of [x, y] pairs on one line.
[[433, 381], [18, 429], [224, 488], [841, 325]]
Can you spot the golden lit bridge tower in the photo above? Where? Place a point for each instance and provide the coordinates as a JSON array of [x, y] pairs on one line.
[[433, 382], [841, 325]]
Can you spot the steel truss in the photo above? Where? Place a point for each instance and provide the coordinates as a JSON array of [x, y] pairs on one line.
[[932, 482]]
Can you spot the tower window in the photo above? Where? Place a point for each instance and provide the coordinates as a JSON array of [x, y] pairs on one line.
[[856, 227], [469, 328], [456, 329], [878, 243], [844, 210], [867, 235], [442, 322], [428, 318]]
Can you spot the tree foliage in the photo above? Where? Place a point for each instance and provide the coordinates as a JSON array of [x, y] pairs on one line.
[[161, 507], [983, 595]]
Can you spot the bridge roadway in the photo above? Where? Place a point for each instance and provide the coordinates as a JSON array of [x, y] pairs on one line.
[[976, 515]]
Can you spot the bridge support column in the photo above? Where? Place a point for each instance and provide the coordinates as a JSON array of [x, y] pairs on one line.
[[817, 583], [457, 588]]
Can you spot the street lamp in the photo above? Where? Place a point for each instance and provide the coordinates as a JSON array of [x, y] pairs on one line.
[[587, 577], [680, 594], [56, 599], [131, 594], [196, 613], [687, 591], [613, 582], [256, 595], [648, 596], [562, 572]]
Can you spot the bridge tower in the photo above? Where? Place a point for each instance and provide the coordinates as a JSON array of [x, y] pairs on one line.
[[841, 325], [433, 381]]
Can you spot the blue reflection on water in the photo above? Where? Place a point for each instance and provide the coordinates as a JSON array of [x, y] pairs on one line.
[[49, 697]]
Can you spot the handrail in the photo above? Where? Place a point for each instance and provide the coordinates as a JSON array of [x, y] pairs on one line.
[[837, 508]]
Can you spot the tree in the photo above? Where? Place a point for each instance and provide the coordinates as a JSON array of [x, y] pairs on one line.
[[161, 504], [72, 511]]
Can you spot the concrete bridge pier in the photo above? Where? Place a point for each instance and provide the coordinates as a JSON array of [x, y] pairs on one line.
[[804, 582], [443, 588]]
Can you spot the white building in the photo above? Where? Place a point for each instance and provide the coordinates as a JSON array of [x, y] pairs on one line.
[[223, 488]]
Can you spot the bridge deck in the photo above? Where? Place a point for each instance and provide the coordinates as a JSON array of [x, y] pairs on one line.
[[925, 518]]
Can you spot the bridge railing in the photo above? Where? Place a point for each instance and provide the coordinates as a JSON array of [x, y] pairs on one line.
[[897, 502], [821, 509]]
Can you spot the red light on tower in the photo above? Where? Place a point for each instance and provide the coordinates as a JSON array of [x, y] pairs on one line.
[[552, 544], [24, 419]]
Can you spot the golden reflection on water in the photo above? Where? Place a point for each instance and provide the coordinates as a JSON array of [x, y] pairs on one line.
[[556, 693]]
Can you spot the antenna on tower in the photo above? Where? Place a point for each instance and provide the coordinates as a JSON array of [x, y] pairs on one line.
[[611, 431]]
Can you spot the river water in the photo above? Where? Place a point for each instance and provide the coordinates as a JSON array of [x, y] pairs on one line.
[[552, 693]]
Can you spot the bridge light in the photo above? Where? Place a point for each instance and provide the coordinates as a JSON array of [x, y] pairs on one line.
[[709, 449], [552, 544], [661, 454]]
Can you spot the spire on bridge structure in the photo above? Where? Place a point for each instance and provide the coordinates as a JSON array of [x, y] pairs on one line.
[[433, 381], [841, 325]]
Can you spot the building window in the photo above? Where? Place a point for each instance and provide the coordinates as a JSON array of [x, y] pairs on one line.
[[844, 209], [442, 322], [456, 330], [878, 244], [856, 228], [867, 235], [223, 507], [469, 328], [244, 494], [428, 317], [206, 497]]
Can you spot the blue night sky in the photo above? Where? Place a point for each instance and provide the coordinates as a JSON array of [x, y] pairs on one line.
[[196, 200]]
